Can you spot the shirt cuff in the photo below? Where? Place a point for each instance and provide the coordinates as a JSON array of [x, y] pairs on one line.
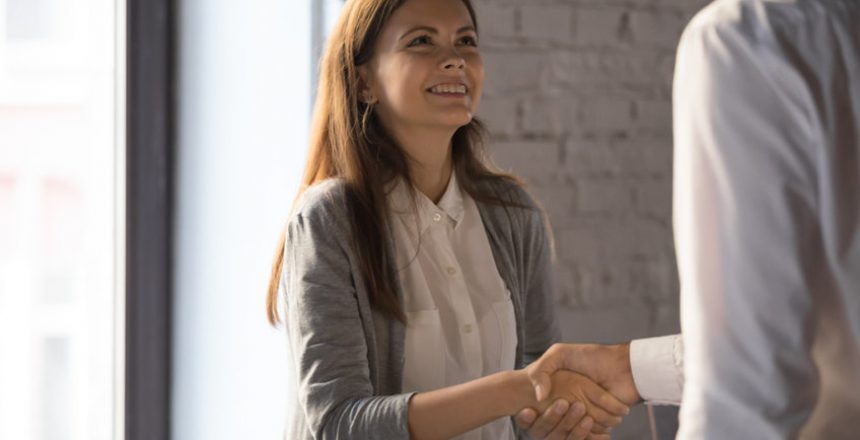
[[657, 365]]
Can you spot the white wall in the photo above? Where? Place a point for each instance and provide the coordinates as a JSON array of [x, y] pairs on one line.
[[244, 95]]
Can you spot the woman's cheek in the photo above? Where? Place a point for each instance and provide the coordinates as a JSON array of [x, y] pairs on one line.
[[478, 88]]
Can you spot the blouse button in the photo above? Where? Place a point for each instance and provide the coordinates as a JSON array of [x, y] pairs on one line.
[[452, 271], [437, 217], [467, 328]]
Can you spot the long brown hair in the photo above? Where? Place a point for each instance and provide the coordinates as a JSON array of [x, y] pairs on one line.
[[347, 141]]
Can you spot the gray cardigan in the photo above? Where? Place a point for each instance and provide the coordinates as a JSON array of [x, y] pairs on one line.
[[348, 357]]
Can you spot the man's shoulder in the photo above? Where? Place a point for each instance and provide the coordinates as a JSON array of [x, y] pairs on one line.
[[721, 17], [759, 19]]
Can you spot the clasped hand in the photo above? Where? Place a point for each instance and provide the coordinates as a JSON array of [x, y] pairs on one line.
[[577, 407], [582, 391]]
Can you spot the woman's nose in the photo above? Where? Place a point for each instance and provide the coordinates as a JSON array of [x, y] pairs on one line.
[[453, 61]]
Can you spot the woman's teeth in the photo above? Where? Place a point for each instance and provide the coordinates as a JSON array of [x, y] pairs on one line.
[[449, 88]]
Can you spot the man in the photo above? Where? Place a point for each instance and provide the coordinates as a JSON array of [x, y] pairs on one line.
[[767, 229]]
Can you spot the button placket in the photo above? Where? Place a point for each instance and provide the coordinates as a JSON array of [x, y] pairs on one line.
[[470, 337]]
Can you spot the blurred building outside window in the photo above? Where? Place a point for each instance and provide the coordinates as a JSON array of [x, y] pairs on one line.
[[60, 204]]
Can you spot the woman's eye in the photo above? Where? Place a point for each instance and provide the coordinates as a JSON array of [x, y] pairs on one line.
[[469, 41], [418, 41]]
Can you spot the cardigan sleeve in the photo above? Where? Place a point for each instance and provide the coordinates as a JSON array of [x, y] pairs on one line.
[[327, 338]]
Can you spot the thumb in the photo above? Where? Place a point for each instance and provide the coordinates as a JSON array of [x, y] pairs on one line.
[[541, 382], [539, 372]]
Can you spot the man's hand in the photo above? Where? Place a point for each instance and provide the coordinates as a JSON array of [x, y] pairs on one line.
[[600, 411], [607, 365]]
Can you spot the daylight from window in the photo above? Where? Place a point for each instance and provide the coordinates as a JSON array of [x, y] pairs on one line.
[[59, 205]]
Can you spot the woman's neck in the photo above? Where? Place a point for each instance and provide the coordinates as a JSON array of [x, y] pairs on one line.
[[430, 163], [433, 180]]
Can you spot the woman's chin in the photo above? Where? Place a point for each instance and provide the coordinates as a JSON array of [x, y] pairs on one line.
[[456, 120]]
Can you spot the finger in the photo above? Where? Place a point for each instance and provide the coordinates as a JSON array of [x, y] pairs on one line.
[[571, 419], [605, 400], [582, 430], [549, 419], [602, 417], [599, 437], [597, 428], [526, 418]]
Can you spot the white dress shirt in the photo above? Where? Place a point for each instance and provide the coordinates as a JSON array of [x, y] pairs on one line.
[[461, 323], [767, 219], [657, 365]]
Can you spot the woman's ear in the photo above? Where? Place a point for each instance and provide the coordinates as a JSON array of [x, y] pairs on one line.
[[365, 85]]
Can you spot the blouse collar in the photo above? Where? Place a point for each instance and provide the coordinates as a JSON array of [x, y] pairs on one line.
[[450, 205]]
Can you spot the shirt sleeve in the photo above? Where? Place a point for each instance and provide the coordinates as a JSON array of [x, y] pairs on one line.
[[657, 365], [746, 234]]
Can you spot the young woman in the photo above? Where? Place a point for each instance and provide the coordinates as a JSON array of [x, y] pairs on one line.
[[416, 279]]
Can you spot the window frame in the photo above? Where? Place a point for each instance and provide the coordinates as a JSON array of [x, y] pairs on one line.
[[150, 128]]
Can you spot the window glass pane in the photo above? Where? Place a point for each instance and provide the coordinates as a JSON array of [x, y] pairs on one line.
[[243, 102], [36, 19], [59, 211]]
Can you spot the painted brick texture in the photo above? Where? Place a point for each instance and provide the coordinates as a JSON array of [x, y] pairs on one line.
[[578, 103]]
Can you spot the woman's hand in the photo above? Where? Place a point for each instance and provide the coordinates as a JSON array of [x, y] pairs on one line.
[[602, 410], [561, 422]]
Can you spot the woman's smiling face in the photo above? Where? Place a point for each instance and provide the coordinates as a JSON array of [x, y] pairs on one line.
[[426, 70]]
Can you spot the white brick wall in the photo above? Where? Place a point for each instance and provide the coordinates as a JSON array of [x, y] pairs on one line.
[[578, 104], [548, 23]]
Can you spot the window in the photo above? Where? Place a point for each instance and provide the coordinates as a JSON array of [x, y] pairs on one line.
[[60, 203], [37, 20], [100, 312], [245, 85], [324, 14]]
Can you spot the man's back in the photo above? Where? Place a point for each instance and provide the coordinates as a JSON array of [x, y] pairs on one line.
[[767, 127]]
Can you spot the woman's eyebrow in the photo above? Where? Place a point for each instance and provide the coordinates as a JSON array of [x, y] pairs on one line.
[[434, 31], [468, 28]]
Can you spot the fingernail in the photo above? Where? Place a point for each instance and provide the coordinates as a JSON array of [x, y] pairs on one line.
[[578, 408], [560, 407], [527, 417]]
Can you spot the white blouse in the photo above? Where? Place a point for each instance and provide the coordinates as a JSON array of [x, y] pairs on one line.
[[461, 323]]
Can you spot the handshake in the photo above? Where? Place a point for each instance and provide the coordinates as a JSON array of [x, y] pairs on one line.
[[581, 390]]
